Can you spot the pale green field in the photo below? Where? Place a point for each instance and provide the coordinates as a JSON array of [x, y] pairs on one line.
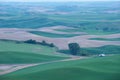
[[19, 53], [27, 48]]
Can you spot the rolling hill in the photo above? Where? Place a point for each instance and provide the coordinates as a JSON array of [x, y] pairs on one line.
[[21, 53], [105, 68]]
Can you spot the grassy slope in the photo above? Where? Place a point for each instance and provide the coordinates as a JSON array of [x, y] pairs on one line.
[[15, 53], [22, 57], [101, 68], [27, 48]]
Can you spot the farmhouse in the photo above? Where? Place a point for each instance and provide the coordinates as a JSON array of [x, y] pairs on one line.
[[102, 55]]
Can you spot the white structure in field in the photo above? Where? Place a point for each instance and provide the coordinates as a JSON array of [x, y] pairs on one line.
[[101, 55]]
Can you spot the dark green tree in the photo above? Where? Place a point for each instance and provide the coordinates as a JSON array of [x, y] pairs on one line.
[[43, 42], [74, 48], [52, 45], [30, 41]]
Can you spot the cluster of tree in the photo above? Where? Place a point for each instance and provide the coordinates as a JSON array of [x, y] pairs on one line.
[[31, 41], [74, 49], [41, 43]]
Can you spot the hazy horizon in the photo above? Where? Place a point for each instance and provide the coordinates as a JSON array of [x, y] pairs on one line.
[[54, 0]]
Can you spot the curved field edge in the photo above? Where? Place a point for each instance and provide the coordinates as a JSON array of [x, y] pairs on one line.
[[105, 39], [22, 53], [12, 46], [53, 35], [105, 68]]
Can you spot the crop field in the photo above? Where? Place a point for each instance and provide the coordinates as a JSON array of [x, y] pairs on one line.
[[14, 53], [11, 46], [88, 31], [60, 41], [104, 39], [87, 19], [24, 58], [93, 68], [35, 40], [108, 50]]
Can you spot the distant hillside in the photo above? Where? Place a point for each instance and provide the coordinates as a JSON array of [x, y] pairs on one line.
[[85, 17]]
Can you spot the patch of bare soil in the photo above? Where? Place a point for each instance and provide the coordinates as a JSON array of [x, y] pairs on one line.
[[61, 43], [53, 30], [7, 68]]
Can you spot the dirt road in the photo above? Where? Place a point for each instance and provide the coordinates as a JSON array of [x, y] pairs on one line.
[[15, 67]]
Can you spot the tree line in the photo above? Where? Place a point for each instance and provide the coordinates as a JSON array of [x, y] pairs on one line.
[[44, 43], [74, 48]]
